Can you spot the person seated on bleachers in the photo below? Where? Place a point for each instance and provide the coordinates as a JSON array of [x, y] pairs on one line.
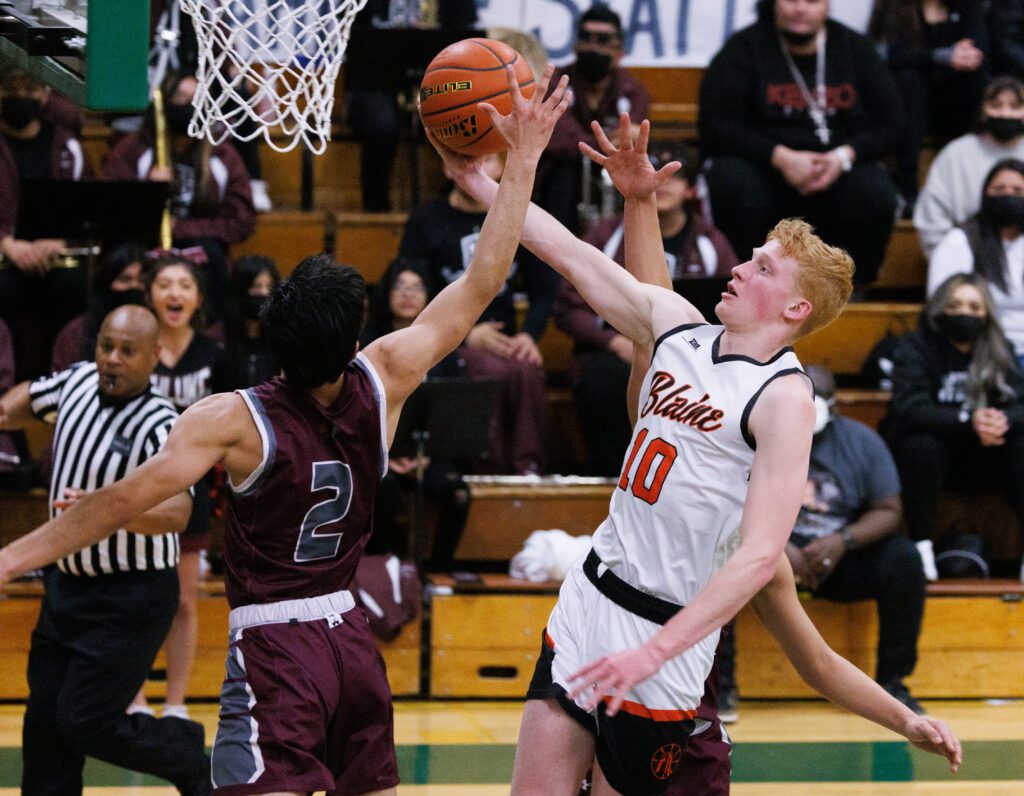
[[1006, 34], [442, 234], [370, 94], [34, 148], [116, 280], [952, 193], [601, 90], [957, 410], [991, 244], [395, 302], [249, 361], [796, 112], [601, 356], [211, 202], [846, 544], [937, 53]]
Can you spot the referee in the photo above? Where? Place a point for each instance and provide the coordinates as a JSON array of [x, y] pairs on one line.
[[107, 608]]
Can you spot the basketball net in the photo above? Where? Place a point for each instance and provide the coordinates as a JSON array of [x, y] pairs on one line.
[[268, 68]]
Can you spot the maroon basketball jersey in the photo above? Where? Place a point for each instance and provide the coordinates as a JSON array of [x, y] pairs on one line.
[[298, 524]]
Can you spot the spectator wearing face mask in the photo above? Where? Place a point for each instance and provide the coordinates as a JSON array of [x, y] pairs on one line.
[[34, 296], [601, 91], [249, 361], [956, 418], [211, 201], [953, 190], [991, 244]]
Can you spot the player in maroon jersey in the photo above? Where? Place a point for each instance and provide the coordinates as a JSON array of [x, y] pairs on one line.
[[305, 704]]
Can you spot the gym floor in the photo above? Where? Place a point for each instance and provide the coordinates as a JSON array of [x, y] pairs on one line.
[[792, 748]]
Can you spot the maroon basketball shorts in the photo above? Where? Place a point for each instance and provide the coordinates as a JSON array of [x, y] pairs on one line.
[[305, 704]]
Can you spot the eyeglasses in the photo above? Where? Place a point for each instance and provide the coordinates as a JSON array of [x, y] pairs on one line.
[[603, 37], [408, 289]]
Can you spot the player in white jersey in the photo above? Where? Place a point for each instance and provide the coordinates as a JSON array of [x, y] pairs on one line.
[[711, 487]]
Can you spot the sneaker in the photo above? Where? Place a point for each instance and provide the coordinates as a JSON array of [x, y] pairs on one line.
[[260, 198], [175, 712], [134, 707], [899, 692], [728, 706]]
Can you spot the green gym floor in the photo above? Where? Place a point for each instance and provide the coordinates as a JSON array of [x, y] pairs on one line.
[[792, 748]]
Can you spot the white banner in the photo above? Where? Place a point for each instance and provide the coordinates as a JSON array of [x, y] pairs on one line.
[[658, 32]]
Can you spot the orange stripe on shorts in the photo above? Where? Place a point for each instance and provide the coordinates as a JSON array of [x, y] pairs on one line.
[[636, 709]]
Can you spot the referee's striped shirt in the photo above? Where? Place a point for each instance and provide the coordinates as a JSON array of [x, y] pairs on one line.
[[96, 443]]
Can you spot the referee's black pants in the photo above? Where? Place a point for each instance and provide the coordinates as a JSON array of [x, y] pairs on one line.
[[91, 651]]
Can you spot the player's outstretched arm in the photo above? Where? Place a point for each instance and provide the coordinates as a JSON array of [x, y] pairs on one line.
[[15, 407], [200, 438], [837, 679], [782, 422], [404, 357]]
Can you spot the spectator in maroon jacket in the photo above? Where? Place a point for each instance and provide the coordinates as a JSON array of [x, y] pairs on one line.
[[34, 294], [601, 90], [211, 201], [601, 356]]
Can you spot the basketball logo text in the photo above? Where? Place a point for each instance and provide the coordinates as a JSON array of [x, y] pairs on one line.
[[463, 127], [445, 88], [667, 402]]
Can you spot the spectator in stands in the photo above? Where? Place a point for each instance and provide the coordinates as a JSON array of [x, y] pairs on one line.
[[795, 113], [116, 280], [991, 244], [957, 410], [211, 201], [952, 192], [601, 90], [9, 456], [396, 301], [370, 87], [36, 298], [601, 356], [937, 52], [442, 234], [1006, 31], [846, 544], [191, 366], [249, 361]]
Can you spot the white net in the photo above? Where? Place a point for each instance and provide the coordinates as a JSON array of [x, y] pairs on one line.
[[267, 68]]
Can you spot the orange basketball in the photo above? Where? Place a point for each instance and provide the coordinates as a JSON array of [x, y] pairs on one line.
[[460, 76]]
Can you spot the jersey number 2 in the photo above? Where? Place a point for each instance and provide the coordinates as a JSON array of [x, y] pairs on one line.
[[311, 545], [644, 486]]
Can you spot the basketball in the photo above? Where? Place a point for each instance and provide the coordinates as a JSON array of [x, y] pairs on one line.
[[462, 75]]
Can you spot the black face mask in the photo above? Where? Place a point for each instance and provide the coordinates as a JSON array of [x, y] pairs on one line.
[[178, 117], [251, 306], [1002, 128], [593, 66], [1004, 210], [798, 39], [19, 112], [960, 328]]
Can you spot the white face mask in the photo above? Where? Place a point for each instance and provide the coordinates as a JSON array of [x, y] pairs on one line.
[[822, 413]]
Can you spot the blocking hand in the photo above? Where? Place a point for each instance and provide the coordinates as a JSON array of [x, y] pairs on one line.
[[627, 164]]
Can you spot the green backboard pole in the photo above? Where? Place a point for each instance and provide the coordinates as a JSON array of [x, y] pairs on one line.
[[116, 56]]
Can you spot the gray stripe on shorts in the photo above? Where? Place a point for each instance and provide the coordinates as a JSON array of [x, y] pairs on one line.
[[236, 758]]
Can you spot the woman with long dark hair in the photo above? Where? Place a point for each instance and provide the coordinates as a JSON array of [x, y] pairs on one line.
[[991, 244], [957, 410], [249, 360], [935, 49]]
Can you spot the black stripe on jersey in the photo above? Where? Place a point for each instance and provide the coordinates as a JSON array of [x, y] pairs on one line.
[[684, 327], [716, 358], [744, 429]]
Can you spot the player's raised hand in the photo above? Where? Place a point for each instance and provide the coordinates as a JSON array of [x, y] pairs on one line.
[[613, 676], [457, 163], [933, 735], [628, 164], [528, 127]]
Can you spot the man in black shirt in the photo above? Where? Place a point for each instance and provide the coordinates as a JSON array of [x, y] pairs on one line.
[[795, 113]]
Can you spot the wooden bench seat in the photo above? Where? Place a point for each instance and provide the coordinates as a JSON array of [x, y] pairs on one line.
[[286, 236]]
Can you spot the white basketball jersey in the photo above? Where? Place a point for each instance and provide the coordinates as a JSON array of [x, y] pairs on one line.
[[675, 513]]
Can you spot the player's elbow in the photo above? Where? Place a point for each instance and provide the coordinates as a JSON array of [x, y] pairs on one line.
[[762, 564]]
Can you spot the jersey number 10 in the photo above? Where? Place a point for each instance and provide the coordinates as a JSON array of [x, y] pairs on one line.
[[646, 487]]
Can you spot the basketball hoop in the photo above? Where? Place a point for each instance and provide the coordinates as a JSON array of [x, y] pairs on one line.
[[268, 65]]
